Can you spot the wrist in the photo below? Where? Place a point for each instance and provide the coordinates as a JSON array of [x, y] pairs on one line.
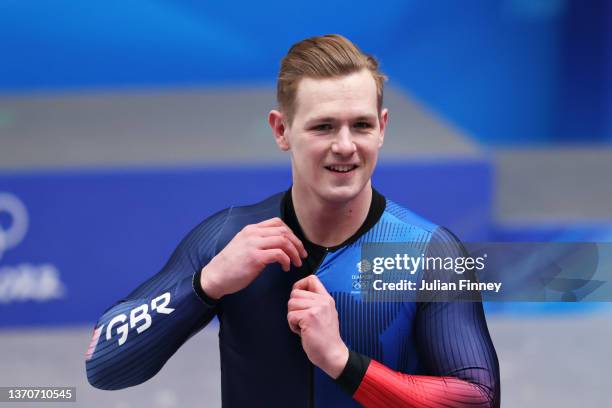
[[355, 370], [208, 284], [336, 361]]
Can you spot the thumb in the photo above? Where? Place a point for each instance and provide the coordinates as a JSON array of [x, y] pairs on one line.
[[311, 283]]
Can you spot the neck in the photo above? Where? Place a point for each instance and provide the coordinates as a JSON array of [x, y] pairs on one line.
[[328, 223]]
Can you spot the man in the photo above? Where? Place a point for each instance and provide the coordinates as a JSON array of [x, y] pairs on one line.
[[293, 332]]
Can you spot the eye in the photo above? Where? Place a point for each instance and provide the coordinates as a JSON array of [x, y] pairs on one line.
[[363, 125], [323, 127]]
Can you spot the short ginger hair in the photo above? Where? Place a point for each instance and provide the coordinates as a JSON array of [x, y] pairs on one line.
[[326, 56]]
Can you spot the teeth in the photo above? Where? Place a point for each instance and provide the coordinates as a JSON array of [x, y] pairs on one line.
[[342, 169]]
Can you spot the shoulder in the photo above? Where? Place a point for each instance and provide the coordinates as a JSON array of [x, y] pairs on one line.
[[262, 210], [224, 224], [405, 216], [246, 214], [435, 235]]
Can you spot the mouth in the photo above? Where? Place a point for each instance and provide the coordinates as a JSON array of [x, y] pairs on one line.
[[342, 168]]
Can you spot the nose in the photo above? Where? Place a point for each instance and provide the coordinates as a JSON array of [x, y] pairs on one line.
[[343, 143]]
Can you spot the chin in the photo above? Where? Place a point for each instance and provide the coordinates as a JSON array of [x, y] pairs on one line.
[[340, 194]]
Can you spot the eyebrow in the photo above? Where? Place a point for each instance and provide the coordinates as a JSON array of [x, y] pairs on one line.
[[332, 119], [321, 119], [366, 117]]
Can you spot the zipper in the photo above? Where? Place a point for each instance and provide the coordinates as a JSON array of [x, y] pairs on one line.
[[311, 374]]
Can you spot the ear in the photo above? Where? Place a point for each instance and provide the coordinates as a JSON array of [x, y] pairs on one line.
[[384, 116], [275, 119]]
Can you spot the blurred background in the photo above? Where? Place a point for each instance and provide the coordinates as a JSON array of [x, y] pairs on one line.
[[123, 124]]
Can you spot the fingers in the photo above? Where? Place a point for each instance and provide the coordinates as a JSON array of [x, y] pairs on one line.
[[272, 222], [317, 286], [303, 284], [268, 256], [277, 226], [275, 234], [294, 318], [299, 304], [282, 242], [311, 283], [302, 294], [304, 306], [284, 231]]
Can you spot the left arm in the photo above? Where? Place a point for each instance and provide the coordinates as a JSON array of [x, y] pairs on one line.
[[452, 339], [454, 343], [454, 347]]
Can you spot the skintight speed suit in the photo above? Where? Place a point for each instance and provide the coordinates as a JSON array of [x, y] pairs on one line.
[[402, 354]]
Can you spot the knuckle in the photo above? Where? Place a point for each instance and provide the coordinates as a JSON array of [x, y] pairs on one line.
[[253, 256]]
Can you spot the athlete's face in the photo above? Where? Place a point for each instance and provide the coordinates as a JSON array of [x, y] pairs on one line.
[[335, 135]]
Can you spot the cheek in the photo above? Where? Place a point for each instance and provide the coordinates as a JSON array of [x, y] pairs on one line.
[[369, 151], [309, 155], [312, 152]]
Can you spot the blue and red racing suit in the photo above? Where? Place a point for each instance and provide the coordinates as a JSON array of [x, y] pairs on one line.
[[402, 354]]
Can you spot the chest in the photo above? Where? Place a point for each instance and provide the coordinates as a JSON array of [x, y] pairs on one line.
[[382, 330]]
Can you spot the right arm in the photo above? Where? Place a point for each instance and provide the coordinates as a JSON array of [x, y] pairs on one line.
[[134, 338]]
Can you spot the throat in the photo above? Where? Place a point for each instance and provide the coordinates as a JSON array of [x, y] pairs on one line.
[[332, 229], [331, 224]]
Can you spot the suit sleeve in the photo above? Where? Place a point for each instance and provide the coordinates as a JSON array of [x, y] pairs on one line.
[[134, 338], [454, 346]]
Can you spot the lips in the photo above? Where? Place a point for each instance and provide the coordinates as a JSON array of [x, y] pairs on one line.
[[342, 168]]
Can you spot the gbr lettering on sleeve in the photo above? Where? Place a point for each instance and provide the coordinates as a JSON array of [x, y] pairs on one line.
[[139, 317]]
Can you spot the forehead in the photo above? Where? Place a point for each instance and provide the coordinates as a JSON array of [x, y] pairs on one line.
[[349, 95]]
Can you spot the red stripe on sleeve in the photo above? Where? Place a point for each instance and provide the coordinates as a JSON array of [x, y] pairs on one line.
[[383, 387]]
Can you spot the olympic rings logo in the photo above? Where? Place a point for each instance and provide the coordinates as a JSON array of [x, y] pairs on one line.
[[13, 234]]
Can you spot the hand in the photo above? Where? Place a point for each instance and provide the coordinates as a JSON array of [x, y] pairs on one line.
[[248, 253], [312, 314]]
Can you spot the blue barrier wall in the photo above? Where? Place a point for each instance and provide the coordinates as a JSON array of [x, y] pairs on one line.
[[93, 236]]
